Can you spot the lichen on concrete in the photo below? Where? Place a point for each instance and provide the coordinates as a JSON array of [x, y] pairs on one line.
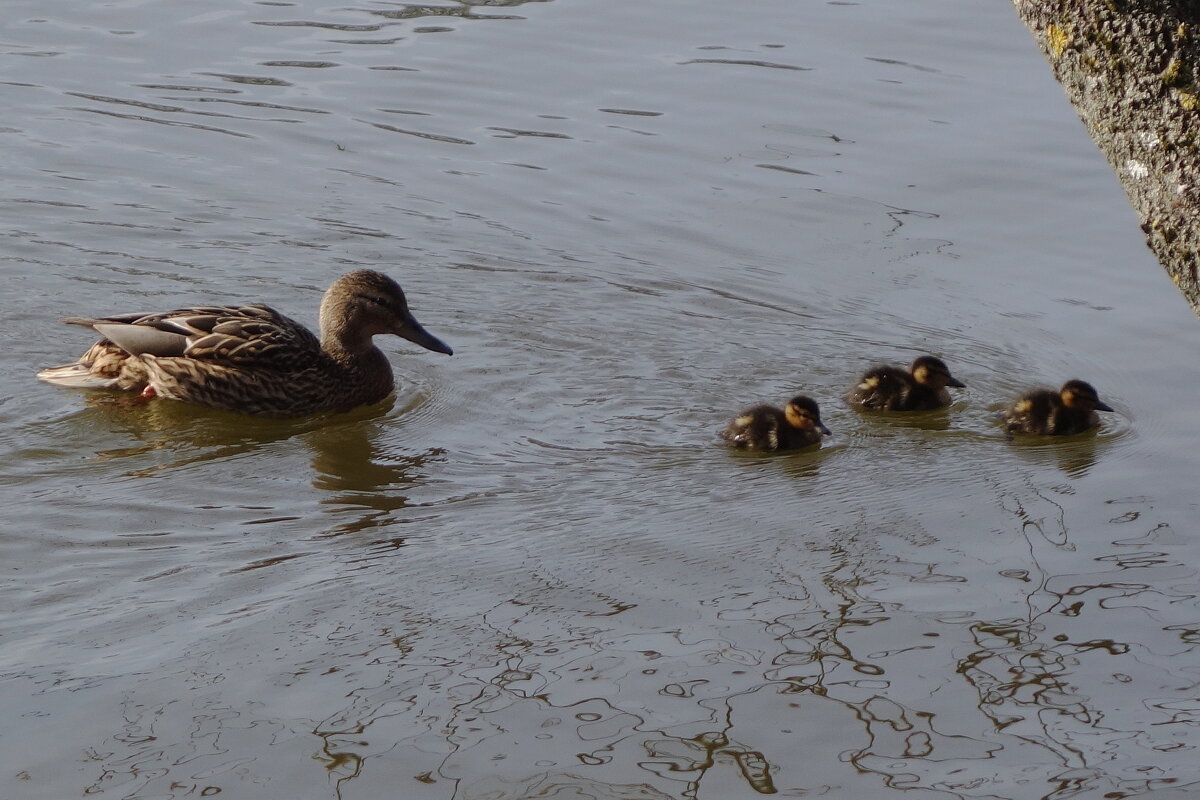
[[1129, 68]]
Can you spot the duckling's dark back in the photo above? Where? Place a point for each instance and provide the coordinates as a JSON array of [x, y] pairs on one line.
[[761, 427], [1033, 412], [883, 387]]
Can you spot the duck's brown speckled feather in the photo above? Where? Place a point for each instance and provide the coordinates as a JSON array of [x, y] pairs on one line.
[[304, 387], [248, 336]]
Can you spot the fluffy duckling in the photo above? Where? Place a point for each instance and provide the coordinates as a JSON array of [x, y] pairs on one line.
[[765, 427], [920, 388], [1045, 412], [251, 358]]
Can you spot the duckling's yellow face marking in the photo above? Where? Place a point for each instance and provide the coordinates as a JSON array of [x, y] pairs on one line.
[[1023, 407], [921, 374], [798, 417], [869, 383], [1069, 398]]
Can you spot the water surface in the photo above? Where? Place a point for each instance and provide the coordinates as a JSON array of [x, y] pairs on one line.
[[536, 572]]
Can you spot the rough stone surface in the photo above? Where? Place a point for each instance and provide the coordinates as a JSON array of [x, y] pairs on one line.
[[1130, 67]]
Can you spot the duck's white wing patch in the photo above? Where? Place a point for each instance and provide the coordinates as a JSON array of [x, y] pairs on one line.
[[142, 339]]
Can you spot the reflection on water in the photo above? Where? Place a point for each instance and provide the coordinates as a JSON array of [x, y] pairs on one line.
[[182, 434], [1075, 457], [349, 455], [351, 462], [763, 686], [938, 419]]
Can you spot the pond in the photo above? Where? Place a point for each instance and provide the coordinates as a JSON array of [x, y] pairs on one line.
[[537, 571]]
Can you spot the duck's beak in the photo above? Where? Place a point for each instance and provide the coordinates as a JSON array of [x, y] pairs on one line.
[[955, 382], [821, 427], [1103, 406], [411, 329]]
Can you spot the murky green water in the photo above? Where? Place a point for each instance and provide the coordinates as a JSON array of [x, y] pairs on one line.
[[537, 573]]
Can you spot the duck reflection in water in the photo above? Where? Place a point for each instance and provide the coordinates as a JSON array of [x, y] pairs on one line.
[[182, 434], [1074, 457], [349, 465], [362, 479]]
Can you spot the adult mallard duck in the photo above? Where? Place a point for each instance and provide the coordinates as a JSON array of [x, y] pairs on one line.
[[766, 427], [919, 388], [251, 358], [1045, 412]]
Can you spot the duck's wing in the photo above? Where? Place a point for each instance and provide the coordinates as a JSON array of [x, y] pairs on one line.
[[242, 336], [252, 336]]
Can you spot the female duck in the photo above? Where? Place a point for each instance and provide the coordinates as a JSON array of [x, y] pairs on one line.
[[920, 388], [1045, 412], [251, 358], [767, 428]]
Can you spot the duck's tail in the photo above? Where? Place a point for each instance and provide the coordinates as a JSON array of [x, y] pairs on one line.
[[76, 376]]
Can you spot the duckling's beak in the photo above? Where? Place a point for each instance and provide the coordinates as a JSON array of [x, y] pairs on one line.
[[955, 382], [821, 427], [1103, 406], [410, 329]]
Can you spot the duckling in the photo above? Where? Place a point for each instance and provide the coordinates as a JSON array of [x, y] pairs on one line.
[[765, 427], [920, 388], [251, 358], [1045, 412]]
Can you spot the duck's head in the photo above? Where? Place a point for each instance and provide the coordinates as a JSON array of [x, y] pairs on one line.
[[802, 412], [364, 303], [1081, 395], [933, 372]]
